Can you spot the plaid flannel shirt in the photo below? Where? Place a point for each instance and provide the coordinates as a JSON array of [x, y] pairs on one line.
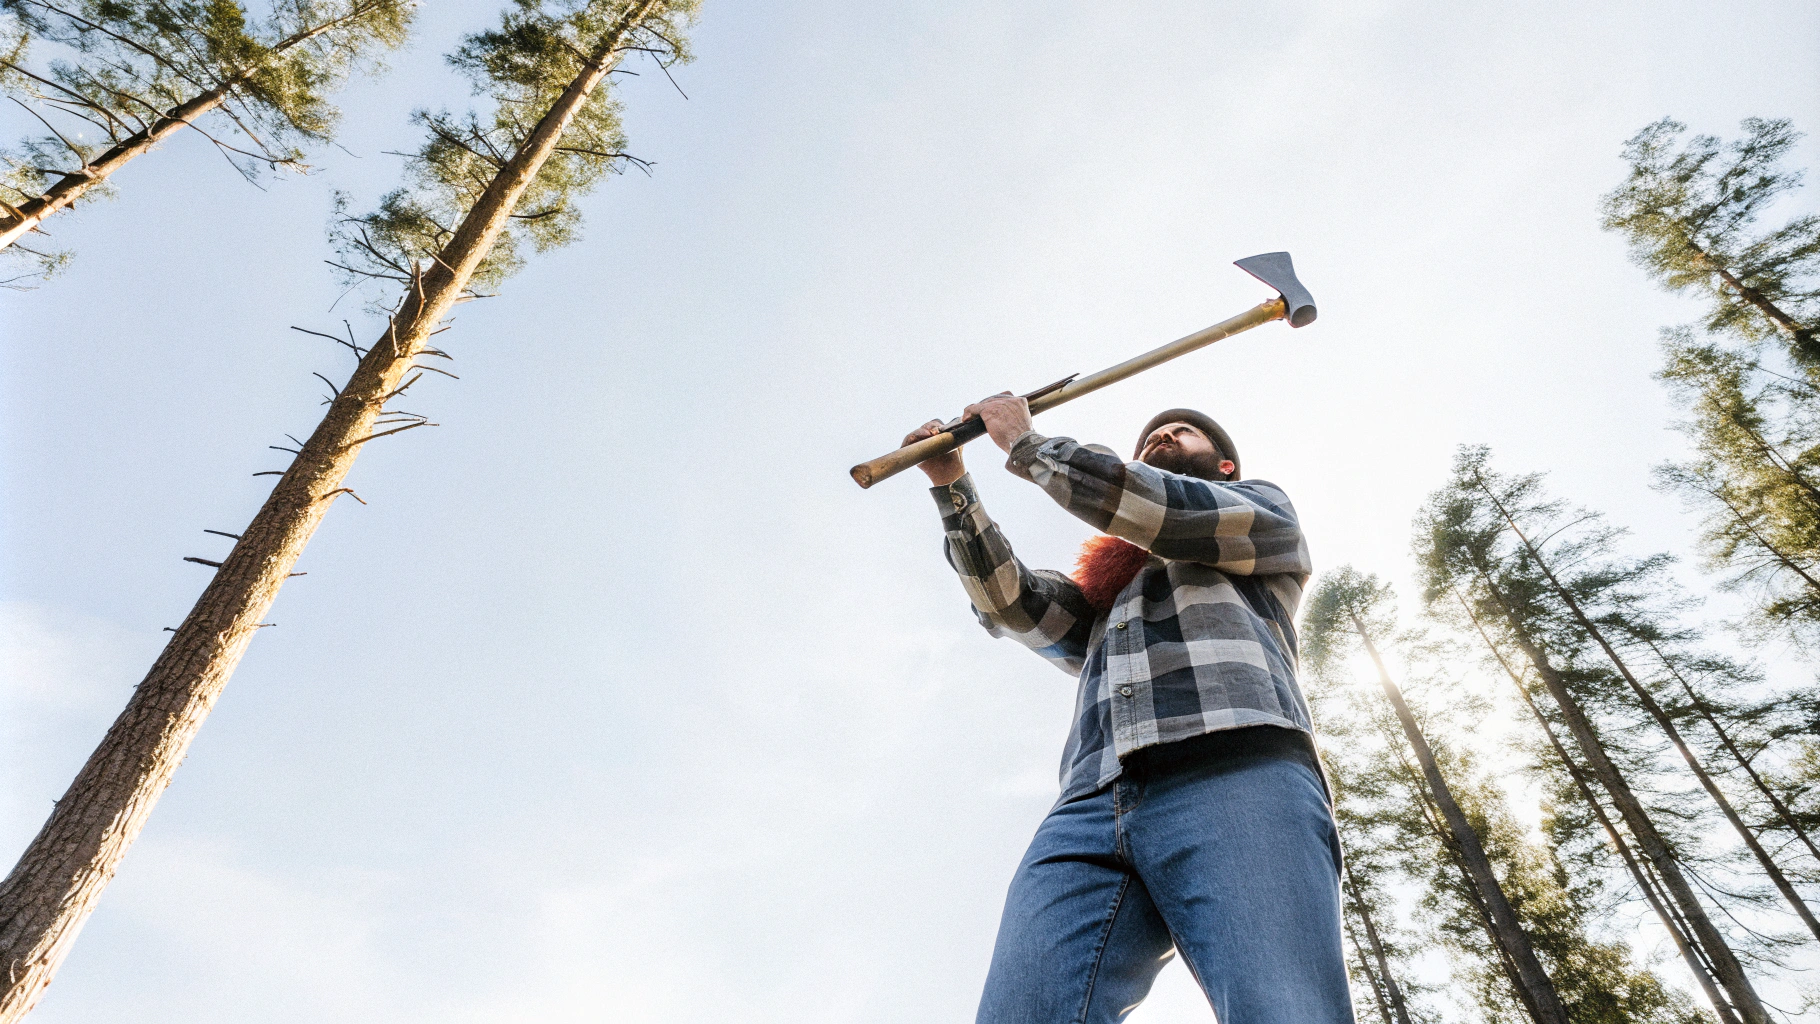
[[1202, 639]]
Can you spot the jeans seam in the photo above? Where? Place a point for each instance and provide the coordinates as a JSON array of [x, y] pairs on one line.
[[1099, 951]]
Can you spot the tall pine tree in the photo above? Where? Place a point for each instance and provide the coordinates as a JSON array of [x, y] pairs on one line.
[[1345, 611], [552, 134], [1689, 210]]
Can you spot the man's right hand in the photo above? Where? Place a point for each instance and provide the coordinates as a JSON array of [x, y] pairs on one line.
[[943, 469]]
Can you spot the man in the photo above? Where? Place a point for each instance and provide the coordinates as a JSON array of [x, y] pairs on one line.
[[1193, 814]]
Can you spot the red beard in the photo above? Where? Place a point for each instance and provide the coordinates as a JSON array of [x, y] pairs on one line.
[[1105, 566]]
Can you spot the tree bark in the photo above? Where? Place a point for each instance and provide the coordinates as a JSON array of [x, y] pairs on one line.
[[1666, 724], [1507, 930], [1690, 955], [60, 877], [1391, 999], [1655, 849]]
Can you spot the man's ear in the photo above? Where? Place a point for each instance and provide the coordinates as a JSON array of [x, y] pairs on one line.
[[1226, 467]]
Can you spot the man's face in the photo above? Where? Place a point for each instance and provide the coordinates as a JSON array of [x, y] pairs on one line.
[[1181, 448]]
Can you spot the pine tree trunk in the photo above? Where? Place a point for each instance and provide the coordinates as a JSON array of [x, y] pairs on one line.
[[1783, 813], [60, 877], [72, 187], [1726, 967], [1431, 814], [1782, 558], [1508, 931], [1667, 725], [1802, 336], [1690, 955], [1391, 999], [1377, 990]]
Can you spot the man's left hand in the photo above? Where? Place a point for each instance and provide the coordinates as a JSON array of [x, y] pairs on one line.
[[1007, 417]]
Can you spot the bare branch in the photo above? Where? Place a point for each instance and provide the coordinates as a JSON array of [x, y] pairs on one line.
[[356, 348], [386, 433]]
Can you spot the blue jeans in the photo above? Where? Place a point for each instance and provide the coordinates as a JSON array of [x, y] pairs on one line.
[[1221, 847]]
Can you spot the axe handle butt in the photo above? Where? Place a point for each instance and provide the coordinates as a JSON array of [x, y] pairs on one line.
[[885, 466]]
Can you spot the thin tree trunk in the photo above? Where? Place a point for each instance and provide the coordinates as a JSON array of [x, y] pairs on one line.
[[1377, 990], [1783, 812], [1803, 336], [1391, 990], [1667, 725], [1509, 931], [1431, 815], [1655, 849], [1786, 561], [54, 887], [26, 217], [1690, 954], [72, 187]]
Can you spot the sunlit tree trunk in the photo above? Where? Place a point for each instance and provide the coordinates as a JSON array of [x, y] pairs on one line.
[[1384, 984], [1726, 967], [28, 215], [18, 221], [1672, 923], [1545, 1002]]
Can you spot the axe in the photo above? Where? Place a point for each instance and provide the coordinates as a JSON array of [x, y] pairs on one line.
[[1292, 303]]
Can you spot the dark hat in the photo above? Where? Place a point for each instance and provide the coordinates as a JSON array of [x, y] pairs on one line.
[[1200, 421]]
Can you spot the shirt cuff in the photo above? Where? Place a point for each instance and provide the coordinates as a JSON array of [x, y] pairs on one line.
[[954, 498], [1023, 452]]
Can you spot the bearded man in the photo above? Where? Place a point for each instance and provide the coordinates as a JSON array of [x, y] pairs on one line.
[[1194, 815]]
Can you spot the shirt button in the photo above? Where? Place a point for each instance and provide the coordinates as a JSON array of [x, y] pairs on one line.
[[1120, 626], [1124, 691], [960, 500]]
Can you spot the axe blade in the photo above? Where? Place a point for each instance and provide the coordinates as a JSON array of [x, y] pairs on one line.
[[1276, 270]]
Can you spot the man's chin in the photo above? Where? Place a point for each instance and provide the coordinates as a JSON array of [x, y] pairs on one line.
[[1171, 459], [1165, 457]]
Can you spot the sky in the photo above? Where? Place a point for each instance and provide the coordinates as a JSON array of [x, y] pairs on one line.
[[618, 700]]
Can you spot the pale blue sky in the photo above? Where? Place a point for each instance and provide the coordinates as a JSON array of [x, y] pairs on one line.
[[619, 701]]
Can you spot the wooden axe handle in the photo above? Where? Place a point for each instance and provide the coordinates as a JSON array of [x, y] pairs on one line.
[[868, 473]]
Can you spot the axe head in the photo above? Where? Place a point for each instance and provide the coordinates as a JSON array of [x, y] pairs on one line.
[[1275, 270]]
